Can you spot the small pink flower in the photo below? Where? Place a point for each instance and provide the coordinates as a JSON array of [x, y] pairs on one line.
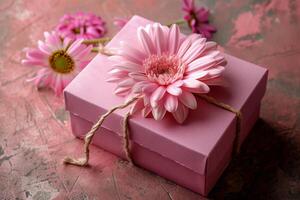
[[165, 69], [120, 22], [81, 26], [60, 60], [197, 18]]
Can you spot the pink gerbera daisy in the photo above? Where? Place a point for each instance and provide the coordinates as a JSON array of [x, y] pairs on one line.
[[197, 19], [60, 61], [81, 25], [166, 70]]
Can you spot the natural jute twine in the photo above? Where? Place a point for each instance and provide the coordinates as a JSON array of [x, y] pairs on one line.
[[89, 136], [126, 141]]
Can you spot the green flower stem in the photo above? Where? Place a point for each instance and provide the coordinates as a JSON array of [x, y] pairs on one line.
[[97, 41]]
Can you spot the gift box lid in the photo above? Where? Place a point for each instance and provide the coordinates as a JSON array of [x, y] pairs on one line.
[[189, 144]]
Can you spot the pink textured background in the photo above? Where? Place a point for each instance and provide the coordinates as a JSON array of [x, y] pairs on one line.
[[34, 129]]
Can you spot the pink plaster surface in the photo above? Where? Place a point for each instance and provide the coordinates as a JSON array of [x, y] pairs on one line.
[[35, 130]]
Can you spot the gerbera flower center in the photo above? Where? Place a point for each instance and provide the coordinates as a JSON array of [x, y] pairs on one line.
[[163, 69], [76, 30], [61, 62]]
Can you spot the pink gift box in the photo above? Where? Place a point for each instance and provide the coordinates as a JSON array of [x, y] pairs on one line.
[[193, 154]]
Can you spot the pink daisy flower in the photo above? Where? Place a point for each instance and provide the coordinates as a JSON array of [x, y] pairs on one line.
[[60, 61], [197, 19], [120, 22], [81, 25], [166, 70]]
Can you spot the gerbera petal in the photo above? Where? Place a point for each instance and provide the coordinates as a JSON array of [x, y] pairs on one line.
[[138, 87], [145, 40], [157, 95], [202, 14], [178, 83], [138, 76], [216, 54], [146, 111], [131, 52], [215, 71], [78, 50], [122, 91], [44, 48], [150, 30], [150, 87], [173, 39], [184, 47], [191, 83], [128, 66], [53, 40], [128, 82], [158, 112], [194, 51], [74, 46], [35, 54], [171, 103], [159, 39], [172, 89], [138, 105], [202, 63], [57, 86], [210, 45], [92, 32], [181, 113], [195, 36], [188, 99], [195, 86], [196, 74], [33, 62], [84, 52], [116, 72], [212, 73], [166, 32], [114, 79]]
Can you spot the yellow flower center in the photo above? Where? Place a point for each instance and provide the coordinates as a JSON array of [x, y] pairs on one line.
[[61, 62]]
